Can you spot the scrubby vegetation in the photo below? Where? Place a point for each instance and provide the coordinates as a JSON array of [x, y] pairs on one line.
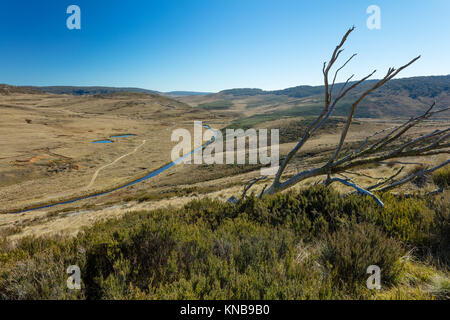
[[216, 105], [293, 130], [310, 244], [442, 177]]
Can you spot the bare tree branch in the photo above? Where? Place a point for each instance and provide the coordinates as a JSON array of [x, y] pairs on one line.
[[428, 144], [358, 189], [405, 127], [365, 175], [413, 176], [250, 184], [337, 71], [317, 123], [389, 75], [386, 180], [422, 138]]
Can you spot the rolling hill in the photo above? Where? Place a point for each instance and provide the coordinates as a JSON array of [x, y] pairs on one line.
[[403, 97], [399, 98], [90, 90], [430, 86]]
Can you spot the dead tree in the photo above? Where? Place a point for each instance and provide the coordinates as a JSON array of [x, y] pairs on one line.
[[378, 147]]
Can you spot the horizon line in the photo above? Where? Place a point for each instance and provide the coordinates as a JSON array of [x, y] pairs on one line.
[[206, 91]]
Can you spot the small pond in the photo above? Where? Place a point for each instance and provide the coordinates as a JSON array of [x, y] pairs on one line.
[[102, 141], [122, 136], [114, 137]]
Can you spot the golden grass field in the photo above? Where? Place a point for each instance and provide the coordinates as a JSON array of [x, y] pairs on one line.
[[48, 155]]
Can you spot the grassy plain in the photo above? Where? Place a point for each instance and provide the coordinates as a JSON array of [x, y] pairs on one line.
[[48, 155]]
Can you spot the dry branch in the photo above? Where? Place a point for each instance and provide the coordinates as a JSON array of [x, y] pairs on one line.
[[432, 143]]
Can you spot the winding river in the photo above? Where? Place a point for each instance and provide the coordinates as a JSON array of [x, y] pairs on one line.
[[148, 176]]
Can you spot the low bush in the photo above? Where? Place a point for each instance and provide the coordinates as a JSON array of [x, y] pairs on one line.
[[296, 245], [441, 177], [350, 251]]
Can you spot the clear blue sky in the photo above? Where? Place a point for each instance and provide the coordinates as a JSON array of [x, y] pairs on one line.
[[210, 45]]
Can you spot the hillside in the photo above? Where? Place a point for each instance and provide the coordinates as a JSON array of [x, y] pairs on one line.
[[430, 86], [76, 90], [186, 93], [403, 97], [7, 89], [91, 90]]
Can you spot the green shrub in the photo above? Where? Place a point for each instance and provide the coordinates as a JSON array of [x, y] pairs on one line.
[[349, 251], [440, 235], [266, 248], [441, 177], [407, 219], [421, 180], [41, 277]]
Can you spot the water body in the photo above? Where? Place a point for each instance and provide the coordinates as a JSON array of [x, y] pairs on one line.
[[123, 136], [150, 175], [114, 137]]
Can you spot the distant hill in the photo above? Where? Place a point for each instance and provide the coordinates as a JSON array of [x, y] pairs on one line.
[[414, 87], [429, 86], [186, 93], [244, 92], [88, 90], [6, 89], [402, 97], [398, 98]]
